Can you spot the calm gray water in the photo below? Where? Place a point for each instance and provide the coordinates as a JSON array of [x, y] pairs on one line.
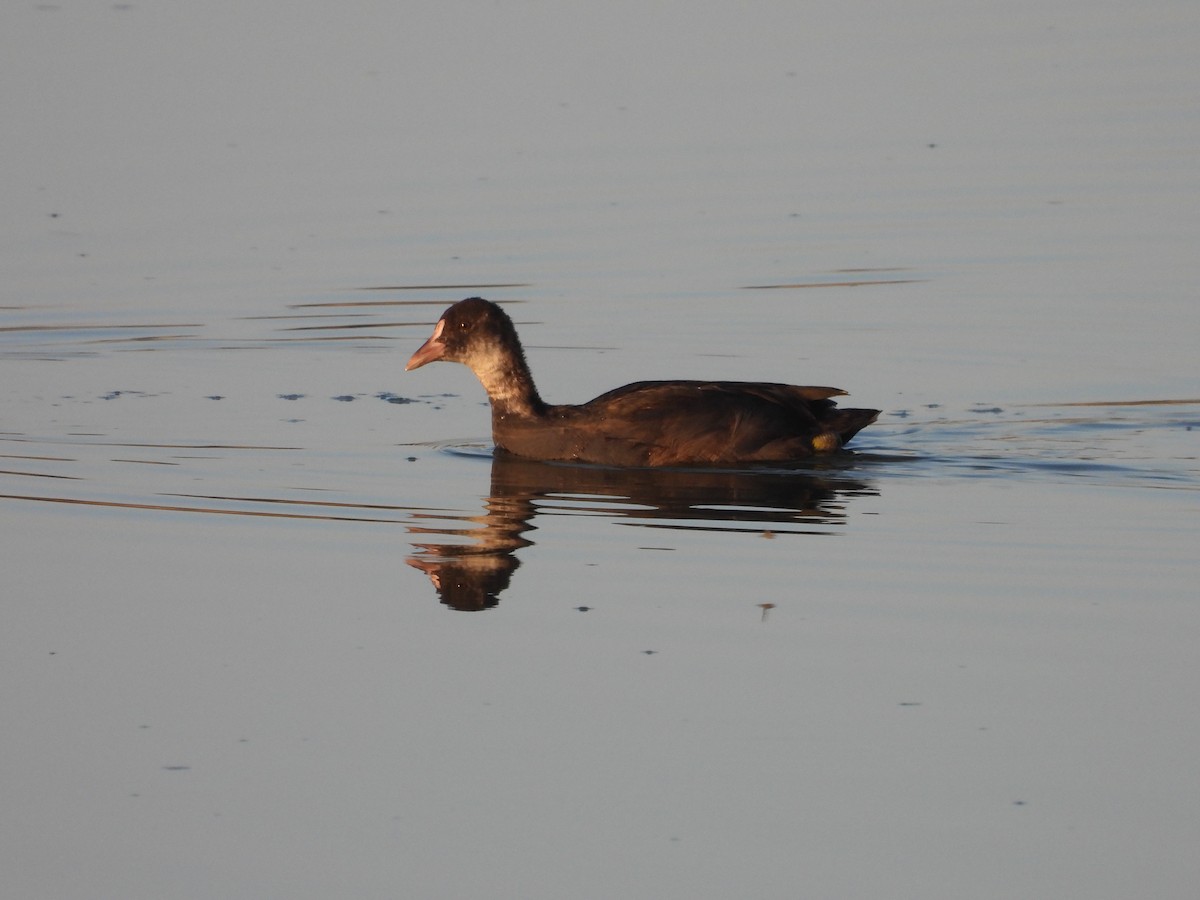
[[277, 624]]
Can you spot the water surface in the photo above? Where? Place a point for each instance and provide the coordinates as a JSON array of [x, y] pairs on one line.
[[278, 623]]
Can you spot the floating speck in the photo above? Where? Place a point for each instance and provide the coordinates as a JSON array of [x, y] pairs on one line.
[[394, 398]]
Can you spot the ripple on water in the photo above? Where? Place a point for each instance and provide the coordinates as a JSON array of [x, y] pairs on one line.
[[1151, 443]]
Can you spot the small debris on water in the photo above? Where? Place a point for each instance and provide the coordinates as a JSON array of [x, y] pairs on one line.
[[394, 398]]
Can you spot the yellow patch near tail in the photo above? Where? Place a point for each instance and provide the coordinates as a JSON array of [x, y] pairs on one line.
[[826, 442]]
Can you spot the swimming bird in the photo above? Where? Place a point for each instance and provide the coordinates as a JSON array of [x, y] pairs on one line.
[[648, 423]]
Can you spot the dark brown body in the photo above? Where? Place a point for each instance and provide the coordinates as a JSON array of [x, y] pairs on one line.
[[666, 423]]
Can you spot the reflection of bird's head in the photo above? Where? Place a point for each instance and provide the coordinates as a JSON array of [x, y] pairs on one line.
[[468, 582]]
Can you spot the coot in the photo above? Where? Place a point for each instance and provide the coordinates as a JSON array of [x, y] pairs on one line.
[[649, 423]]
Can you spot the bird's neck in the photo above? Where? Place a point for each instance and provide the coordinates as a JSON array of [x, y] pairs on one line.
[[509, 385]]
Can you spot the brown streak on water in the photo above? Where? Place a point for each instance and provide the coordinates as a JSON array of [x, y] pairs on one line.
[[165, 507], [1119, 403]]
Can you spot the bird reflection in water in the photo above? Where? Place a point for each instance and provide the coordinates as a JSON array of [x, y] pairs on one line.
[[471, 576]]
